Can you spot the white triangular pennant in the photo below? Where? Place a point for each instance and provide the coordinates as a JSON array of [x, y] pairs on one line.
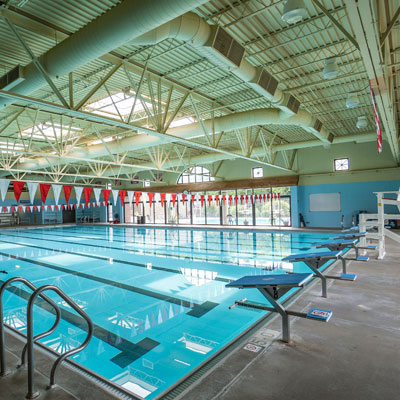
[[115, 196], [78, 193], [52, 207], [23, 208], [4, 187], [8, 208], [130, 196], [97, 192], [168, 197], [56, 191], [32, 187]]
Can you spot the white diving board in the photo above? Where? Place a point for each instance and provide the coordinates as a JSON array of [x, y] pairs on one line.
[[272, 287]]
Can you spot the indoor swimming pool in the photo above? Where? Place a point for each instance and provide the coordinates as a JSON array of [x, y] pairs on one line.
[[156, 296]]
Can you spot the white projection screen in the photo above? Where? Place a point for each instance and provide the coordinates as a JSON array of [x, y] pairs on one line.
[[325, 202]]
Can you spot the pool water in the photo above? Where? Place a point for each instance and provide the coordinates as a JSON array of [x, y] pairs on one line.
[[156, 296]]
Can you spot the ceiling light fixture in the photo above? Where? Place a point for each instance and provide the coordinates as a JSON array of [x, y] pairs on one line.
[[352, 100], [294, 11], [331, 70], [362, 122]]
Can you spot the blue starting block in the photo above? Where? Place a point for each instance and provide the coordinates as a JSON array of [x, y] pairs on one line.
[[356, 236], [351, 235], [316, 260], [272, 287], [339, 245]]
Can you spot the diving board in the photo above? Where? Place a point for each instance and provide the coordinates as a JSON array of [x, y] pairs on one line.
[[273, 287], [316, 260]]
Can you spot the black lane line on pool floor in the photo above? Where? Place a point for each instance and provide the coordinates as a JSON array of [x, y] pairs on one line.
[[144, 292], [152, 252], [129, 351], [104, 258], [189, 249]]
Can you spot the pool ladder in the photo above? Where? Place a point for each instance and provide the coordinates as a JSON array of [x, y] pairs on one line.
[[31, 339]]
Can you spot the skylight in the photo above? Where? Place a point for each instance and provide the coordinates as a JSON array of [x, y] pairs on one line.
[[51, 131], [122, 101]]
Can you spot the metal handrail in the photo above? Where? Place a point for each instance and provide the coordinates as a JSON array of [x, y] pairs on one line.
[[31, 286], [30, 338]]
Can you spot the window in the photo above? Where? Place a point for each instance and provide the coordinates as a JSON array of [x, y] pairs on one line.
[[147, 183], [258, 172], [341, 164], [195, 174]]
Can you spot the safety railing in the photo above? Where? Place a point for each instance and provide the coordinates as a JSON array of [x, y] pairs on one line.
[[3, 369], [31, 339]]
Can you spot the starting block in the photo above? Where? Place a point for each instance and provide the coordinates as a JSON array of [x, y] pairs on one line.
[[351, 235], [316, 260], [339, 245], [272, 287]]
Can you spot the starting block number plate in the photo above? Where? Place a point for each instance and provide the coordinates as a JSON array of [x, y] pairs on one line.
[[252, 347], [318, 313]]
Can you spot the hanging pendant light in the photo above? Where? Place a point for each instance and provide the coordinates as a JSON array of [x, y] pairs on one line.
[[294, 11], [331, 70], [362, 122], [352, 100]]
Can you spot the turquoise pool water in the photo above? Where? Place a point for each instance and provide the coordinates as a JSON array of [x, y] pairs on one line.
[[157, 297]]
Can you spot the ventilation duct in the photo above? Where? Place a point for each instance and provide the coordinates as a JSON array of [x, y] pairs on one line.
[[224, 123], [294, 11], [12, 78], [257, 151], [123, 22]]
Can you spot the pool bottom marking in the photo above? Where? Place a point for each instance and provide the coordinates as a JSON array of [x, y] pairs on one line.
[[129, 351]]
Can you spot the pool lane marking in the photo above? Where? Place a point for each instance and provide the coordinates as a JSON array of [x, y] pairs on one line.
[[105, 258], [150, 252], [119, 285], [154, 252], [250, 240], [128, 349]]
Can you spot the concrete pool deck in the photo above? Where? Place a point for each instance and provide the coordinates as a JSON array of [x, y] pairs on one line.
[[354, 356]]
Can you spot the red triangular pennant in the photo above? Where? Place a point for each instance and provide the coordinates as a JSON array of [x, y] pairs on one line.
[[202, 199], [183, 198], [217, 199], [209, 199], [44, 190], [67, 192], [122, 194], [223, 199], [150, 196], [173, 196], [193, 198], [230, 199], [137, 198], [87, 191], [236, 199], [18, 186], [279, 196], [162, 199], [106, 194]]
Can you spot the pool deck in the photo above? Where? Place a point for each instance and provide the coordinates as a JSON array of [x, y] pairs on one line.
[[353, 356], [356, 355]]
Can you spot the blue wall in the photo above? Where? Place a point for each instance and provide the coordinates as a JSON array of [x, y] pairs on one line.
[[354, 197]]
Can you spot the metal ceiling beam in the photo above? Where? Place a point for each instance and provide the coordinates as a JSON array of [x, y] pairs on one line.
[[390, 26], [111, 122], [337, 24], [365, 25]]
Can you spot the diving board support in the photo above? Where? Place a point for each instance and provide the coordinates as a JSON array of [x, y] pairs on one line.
[[272, 287]]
